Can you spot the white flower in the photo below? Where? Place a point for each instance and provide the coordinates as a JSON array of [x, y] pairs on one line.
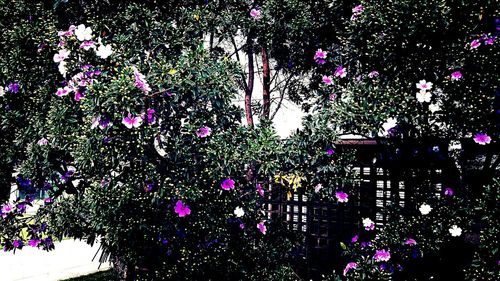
[[433, 107], [62, 55], [455, 145], [424, 86], [455, 231], [389, 124], [83, 33], [104, 51], [424, 96], [425, 209], [62, 68], [2, 91], [368, 224], [239, 212]]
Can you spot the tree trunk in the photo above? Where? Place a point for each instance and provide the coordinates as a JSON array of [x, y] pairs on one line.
[[266, 78], [124, 271], [249, 88]]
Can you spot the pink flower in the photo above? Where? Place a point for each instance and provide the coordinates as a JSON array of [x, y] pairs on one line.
[[448, 191], [132, 121], [456, 75], [358, 9], [255, 13], [342, 196], [43, 141], [320, 56], [330, 151], [382, 255], [182, 209], [482, 139], [63, 91], [355, 238], [373, 74], [67, 33], [140, 81], [78, 95], [410, 241], [327, 80], [262, 227], [340, 72], [7, 208], [242, 225], [332, 97], [87, 45], [227, 184], [474, 44], [61, 55], [349, 266], [260, 190], [203, 132]]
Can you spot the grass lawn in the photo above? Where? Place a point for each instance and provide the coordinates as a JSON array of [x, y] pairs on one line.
[[99, 276]]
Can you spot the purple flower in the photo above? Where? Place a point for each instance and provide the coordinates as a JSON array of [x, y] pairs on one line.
[[457, 75], [411, 242], [148, 187], [373, 74], [260, 190], [34, 242], [21, 207], [332, 97], [489, 40], [203, 132], [48, 242], [79, 95], [48, 201], [182, 209], [131, 121], [382, 255], [13, 88], [227, 184], [330, 151], [320, 56], [355, 238], [262, 227], [482, 139], [140, 81], [474, 44], [17, 244], [349, 266], [242, 225], [149, 116], [340, 71], [342, 196], [448, 191]]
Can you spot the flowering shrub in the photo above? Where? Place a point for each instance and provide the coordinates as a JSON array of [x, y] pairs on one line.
[[422, 76]]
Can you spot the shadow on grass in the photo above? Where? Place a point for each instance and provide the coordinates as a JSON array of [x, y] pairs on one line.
[[99, 276]]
